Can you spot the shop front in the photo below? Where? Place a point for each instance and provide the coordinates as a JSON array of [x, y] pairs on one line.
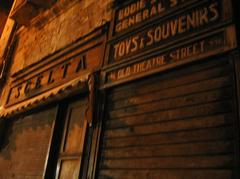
[[171, 82], [49, 111]]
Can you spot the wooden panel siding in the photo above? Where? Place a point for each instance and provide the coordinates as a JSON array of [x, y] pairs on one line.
[[180, 124]]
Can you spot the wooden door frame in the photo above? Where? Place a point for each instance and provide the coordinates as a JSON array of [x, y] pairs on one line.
[[58, 133], [96, 135], [92, 127]]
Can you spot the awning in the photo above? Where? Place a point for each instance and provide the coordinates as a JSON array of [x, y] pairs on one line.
[[77, 85]]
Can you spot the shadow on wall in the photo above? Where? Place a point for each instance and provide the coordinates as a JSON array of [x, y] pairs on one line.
[[6, 131], [26, 135], [2, 130]]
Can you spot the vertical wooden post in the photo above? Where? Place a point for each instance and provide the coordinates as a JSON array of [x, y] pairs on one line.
[[236, 63], [97, 127]]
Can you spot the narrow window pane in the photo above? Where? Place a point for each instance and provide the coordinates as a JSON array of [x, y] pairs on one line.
[[75, 128], [69, 169]]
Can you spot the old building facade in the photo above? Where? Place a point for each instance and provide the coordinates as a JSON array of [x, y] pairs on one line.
[[119, 89]]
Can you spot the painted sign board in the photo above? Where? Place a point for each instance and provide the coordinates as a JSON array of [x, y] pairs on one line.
[[205, 15], [138, 12], [51, 76], [207, 45]]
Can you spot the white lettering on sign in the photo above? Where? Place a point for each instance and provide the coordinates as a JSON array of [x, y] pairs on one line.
[[195, 49], [167, 29], [143, 10]]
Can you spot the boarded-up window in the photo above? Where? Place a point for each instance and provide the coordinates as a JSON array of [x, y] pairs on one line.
[[181, 124]]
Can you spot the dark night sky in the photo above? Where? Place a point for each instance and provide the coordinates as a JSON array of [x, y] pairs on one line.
[[6, 4]]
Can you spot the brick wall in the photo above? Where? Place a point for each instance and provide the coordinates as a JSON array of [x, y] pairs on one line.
[[58, 27], [24, 146]]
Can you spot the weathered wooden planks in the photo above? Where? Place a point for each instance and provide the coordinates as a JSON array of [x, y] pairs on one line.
[[166, 174], [176, 125]]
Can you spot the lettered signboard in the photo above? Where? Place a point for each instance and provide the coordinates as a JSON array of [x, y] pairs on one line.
[[153, 35], [214, 43], [74, 63]]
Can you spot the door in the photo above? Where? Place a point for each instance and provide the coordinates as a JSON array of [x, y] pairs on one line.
[[70, 155], [68, 140]]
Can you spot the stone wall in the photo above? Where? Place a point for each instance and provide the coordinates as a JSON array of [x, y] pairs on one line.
[[58, 27], [51, 31]]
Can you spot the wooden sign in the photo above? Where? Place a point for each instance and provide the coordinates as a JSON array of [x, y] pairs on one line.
[[56, 75], [136, 13], [213, 43], [192, 21]]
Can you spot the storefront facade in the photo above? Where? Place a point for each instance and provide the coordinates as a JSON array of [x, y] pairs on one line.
[[49, 95], [110, 89], [170, 77]]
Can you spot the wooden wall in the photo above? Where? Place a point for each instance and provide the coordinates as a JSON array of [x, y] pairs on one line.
[[180, 124], [24, 146]]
